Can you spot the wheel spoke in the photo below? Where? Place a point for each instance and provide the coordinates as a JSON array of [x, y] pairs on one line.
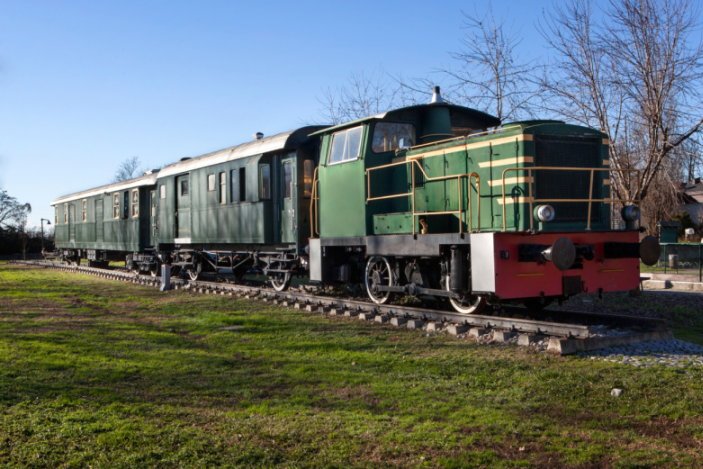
[[378, 273]]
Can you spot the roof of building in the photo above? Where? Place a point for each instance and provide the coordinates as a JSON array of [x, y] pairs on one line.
[[693, 192]]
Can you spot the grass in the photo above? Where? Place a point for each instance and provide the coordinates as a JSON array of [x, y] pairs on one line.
[[100, 373]]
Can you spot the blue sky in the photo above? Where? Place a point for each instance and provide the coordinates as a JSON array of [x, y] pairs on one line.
[[85, 85]]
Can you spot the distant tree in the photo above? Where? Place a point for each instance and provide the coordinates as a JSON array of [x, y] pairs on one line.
[[13, 214], [363, 95], [487, 75], [128, 169]]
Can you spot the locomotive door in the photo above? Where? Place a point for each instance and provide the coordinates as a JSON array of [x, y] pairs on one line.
[[99, 226], [183, 207], [289, 199]]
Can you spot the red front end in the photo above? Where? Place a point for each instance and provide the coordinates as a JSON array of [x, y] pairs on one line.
[[604, 261]]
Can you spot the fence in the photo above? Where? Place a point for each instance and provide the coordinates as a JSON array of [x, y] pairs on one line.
[[682, 259]]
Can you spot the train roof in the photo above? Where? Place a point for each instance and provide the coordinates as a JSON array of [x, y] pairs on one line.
[[280, 141], [458, 115], [145, 180]]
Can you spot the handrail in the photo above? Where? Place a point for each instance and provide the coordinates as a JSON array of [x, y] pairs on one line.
[[314, 206], [530, 180], [460, 212]]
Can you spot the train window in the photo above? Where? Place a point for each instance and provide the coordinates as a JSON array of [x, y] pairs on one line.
[[223, 188], [184, 187], [125, 208], [264, 182], [288, 180], [84, 210], [162, 191], [242, 184], [210, 182], [56, 215], [65, 213], [153, 206], [346, 145], [308, 170], [389, 136], [234, 185], [116, 206], [135, 203]]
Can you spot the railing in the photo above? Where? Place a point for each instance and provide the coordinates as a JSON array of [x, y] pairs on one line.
[[459, 212], [314, 206], [530, 180], [683, 259]]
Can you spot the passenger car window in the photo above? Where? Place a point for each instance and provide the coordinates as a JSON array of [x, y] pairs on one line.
[[346, 145], [389, 136], [126, 205], [116, 205], [223, 188], [264, 181], [308, 172], [210, 182], [242, 184], [135, 203], [288, 180]]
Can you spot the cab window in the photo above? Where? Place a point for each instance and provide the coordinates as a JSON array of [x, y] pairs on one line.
[[390, 136], [346, 145]]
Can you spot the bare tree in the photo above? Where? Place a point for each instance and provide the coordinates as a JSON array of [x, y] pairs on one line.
[[362, 96], [13, 214], [487, 75], [636, 77], [128, 169]]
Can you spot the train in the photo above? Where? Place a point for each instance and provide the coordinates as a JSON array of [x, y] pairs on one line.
[[431, 200]]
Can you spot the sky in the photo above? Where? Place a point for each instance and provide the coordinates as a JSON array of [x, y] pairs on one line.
[[85, 85]]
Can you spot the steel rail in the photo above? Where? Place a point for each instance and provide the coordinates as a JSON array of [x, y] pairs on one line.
[[577, 329]]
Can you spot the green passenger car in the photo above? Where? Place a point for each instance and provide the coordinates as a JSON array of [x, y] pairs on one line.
[[107, 222]]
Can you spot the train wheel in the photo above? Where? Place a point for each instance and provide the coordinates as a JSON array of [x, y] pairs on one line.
[[194, 273], [280, 281], [378, 273], [466, 304]]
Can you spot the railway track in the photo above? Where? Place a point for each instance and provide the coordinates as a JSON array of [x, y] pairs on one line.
[[566, 332]]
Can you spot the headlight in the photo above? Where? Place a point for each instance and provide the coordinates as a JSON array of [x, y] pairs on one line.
[[630, 213], [545, 213]]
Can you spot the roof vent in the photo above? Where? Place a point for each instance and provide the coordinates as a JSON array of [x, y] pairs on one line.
[[185, 158], [436, 96], [259, 135]]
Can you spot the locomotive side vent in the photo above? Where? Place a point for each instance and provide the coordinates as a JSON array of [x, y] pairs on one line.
[[576, 152]]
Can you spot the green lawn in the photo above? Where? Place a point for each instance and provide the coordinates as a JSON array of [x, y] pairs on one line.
[[101, 373]]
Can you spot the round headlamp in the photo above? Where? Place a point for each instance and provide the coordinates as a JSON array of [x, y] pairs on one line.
[[545, 213], [630, 213]]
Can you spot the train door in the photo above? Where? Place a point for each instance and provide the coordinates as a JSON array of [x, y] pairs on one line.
[[99, 226], [288, 199], [72, 223], [153, 218], [183, 207]]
